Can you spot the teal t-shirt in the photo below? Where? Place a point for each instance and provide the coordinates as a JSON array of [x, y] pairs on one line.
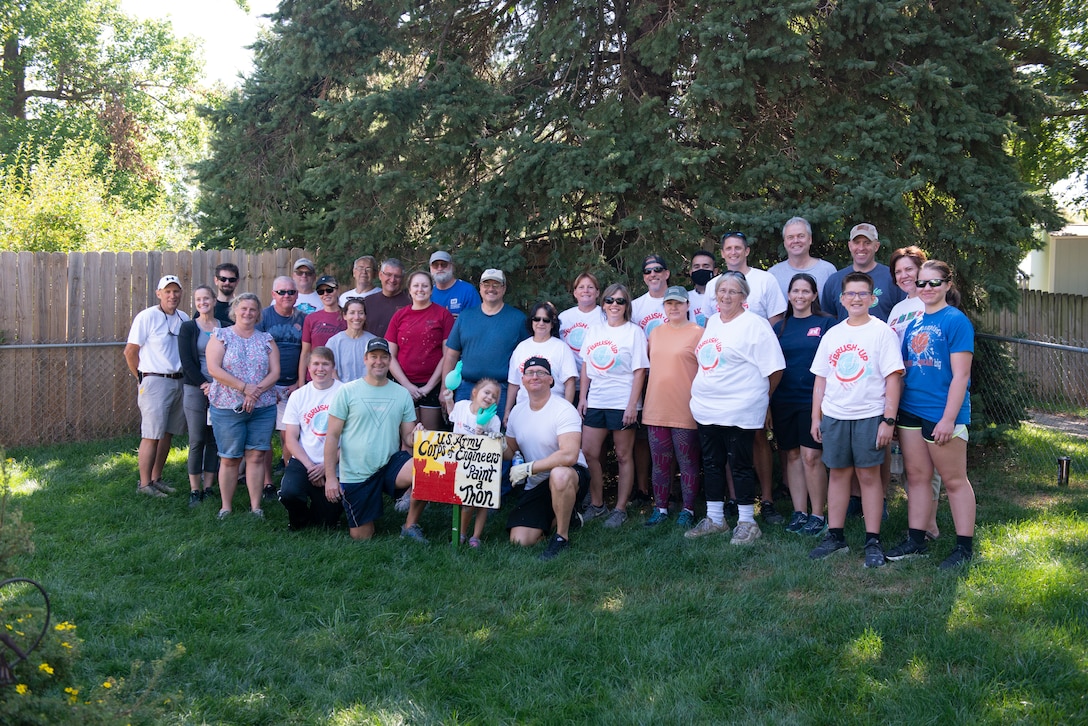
[[372, 416]]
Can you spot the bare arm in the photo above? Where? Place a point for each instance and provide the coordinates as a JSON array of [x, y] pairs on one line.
[[630, 414], [893, 387], [817, 404], [569, 389], [567, 454], [303, 363], [332, 458], [132, 358]]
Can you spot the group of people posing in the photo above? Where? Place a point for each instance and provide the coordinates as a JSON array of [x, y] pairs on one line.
[[837, 363]]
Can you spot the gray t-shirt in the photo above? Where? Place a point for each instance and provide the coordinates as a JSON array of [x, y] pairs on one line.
[[784, 272]]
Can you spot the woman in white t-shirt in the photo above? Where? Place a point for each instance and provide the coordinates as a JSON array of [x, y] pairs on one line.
[[740, 364], [543, 323], [614, 365], [575, 321]]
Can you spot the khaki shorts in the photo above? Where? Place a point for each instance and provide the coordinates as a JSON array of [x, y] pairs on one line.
[[161, 408]]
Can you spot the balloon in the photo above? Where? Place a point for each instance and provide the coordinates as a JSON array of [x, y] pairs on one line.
[[453, 378]]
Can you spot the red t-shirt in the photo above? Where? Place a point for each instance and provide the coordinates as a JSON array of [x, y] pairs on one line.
[[419, 335]]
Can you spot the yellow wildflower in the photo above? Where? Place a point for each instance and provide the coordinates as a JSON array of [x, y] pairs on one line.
[[46, 668], [61, 627], [107, 684], [22, 689], [71, 691], [66, 644]]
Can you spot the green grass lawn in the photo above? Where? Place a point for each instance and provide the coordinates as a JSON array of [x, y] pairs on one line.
[[628, 626]]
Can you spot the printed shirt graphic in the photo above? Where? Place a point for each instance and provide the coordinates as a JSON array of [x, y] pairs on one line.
[[927, 352], [308, 408], [648, 312], [855, 360], [611, 356], [904, 313], [573, 324], [555, 351], [372, 416]]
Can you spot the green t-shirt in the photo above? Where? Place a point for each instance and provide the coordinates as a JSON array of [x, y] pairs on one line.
[[372, 416]]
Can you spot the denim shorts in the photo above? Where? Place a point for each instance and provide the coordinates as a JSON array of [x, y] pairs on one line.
[[237, 433]]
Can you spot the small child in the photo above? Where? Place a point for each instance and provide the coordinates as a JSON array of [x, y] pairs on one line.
[[467, 419]]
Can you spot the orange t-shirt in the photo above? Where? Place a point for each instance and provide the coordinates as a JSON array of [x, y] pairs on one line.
[[672, 369]]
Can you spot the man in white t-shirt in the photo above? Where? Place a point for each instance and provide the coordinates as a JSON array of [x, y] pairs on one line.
[[547, 430], [364, 271], [648, 311], [797, 239], [306, 419], [304, 275], [702, 272], [152, 356]]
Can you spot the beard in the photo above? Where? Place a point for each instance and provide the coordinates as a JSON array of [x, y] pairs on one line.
[[444, 277]]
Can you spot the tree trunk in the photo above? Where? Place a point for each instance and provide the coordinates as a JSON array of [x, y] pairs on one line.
[[15, 75]]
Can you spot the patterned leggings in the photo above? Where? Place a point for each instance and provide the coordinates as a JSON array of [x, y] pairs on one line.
[[669, 445]]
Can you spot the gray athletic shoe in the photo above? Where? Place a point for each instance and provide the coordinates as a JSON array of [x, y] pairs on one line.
[[615, 519], [593, 512]]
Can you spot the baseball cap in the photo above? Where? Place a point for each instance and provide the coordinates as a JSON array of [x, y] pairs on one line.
[[441, 256], [304, 262], [168, 280], [865, 230], [539, 362], [378, 344], [677, 293], [493, 274], [326, 280], [655, 259]]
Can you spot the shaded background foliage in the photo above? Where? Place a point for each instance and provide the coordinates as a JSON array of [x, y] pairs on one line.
[[550, 137]]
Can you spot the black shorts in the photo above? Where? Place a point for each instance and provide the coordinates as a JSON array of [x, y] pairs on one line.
[[431, 399], [793, 426], [534, 509], [606, 418], [910, 421]]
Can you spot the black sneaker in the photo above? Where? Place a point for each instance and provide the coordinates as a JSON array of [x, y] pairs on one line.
[[269, 493], [768, 514], [874, 553], [797, 522], [907, 549], [555, 545], [960, 556], [827, 547], [195, 498], [576, 520], [209, 493]]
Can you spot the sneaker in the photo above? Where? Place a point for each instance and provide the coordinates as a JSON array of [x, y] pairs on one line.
[[151, 491], [797, 522], [768, 515], [401, 504], [209, 493], [814, 527], [414, 532], [576, 521], [555, 545], [195, 498], [269, 493], [474, 542], [686, 519], [656, 518], [706, 526], [853, 509], [593, 512], [960, 556], [258, 513], [828, 546], [874, 553], [163, 486], [746, 533], [615, 519], [907, 549], [223, 514]]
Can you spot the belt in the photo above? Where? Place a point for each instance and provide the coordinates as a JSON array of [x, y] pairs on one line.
[[174, 376]]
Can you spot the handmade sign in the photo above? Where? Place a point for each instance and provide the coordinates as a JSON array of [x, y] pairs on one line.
[[456, 469]]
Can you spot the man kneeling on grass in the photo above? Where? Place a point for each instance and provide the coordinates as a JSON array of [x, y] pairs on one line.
[[371, 422], [548, 432], [859, 369]]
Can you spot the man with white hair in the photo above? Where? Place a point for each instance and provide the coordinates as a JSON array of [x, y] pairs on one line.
[[451, 293]]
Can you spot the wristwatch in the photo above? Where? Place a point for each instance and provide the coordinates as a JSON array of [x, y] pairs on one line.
[[887, 420]]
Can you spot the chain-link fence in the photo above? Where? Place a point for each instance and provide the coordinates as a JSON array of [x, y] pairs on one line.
[[65, 392], [1033, 396]]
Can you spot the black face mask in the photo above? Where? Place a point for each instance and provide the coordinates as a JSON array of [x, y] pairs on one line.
[[702, 277]]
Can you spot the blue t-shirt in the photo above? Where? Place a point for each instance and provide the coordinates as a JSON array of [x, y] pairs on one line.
[[287, 332], [885, 293], [928, 346], [799, 339], [459, 297], [486, 342]]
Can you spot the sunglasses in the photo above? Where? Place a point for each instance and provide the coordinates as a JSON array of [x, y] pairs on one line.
[[734, 273], [542, 320], [304, 273], [286, 293], [653, 270], [738, 235], [326, 290], [930, 283], [615, 301], [227, 279]]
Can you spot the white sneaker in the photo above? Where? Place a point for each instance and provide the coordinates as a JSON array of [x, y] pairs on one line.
[[706, 526], [401, 504], [746, 533]]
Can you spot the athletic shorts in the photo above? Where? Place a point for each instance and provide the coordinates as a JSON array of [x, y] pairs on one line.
[[363, 500], [534, 509], [606, 418], [910, 421], [851, 443], [793, 427]]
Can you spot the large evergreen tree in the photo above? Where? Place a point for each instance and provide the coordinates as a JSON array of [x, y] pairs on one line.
[[558, 135]]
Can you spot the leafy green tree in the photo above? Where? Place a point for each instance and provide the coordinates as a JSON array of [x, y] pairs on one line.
[[558, 135]]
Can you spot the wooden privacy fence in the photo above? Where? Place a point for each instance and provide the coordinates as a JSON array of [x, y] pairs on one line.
[[63, 325]]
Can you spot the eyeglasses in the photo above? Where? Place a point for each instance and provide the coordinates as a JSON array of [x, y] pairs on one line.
[[286, 293], [730, 293], [304, 273], [227, 279], [326, 290], [615, 301], [653, 270], [930, 283], [535, 373], [542, 320], [853, 295]]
